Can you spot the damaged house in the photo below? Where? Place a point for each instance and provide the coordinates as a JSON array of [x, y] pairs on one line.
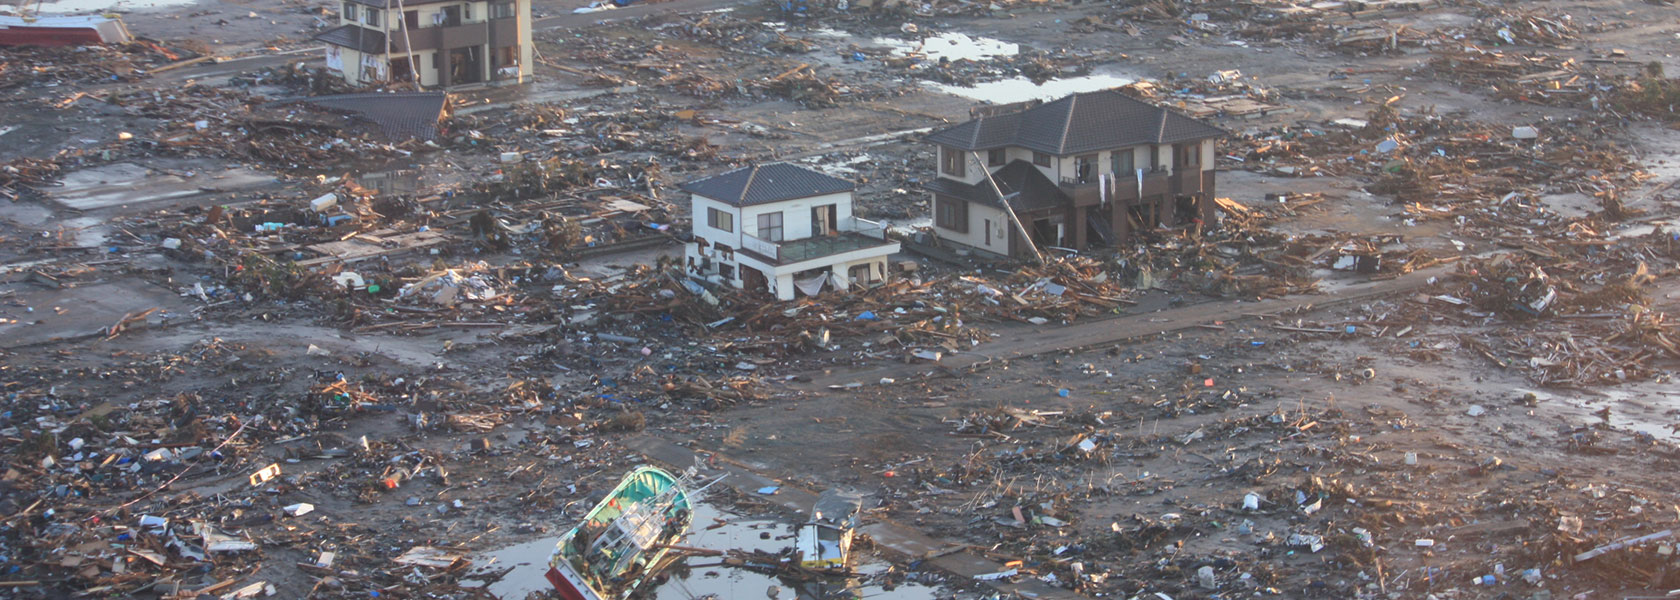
[[435, 43], [1088, 169], [784, 229]]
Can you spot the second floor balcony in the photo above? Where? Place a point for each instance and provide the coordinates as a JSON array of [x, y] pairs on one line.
[[854, 234], [1127, 187]]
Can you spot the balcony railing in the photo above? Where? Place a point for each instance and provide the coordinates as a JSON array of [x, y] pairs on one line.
[[768, 248], [854, 234], [867, 227]]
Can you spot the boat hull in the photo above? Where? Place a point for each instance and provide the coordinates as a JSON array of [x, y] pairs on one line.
[[570, 586]]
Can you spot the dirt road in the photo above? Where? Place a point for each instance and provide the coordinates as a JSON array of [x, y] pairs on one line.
[[1024, 342]]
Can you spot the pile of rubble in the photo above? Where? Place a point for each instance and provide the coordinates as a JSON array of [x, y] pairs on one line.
[[35, 66]]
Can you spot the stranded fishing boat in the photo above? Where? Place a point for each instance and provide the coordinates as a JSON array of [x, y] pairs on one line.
[[621, 542], [825, 542]]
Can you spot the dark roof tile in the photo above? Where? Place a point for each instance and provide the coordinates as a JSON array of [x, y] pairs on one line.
[[355, 37], [1078, 123], [1025, 185], [762, 184], [399, 116]]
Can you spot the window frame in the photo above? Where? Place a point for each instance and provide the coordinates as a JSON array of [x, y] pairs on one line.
[[1189, 156], [1088, 162], [1130, 166], [372, 17], [996, 157], [1041, 159], [497, 10], [950, 213], [348, 11], [765, 226], [951, 162], [720, 220]]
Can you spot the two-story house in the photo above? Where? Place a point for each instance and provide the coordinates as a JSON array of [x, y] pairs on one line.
[[1091, 168], [785, 229], [437, 43]]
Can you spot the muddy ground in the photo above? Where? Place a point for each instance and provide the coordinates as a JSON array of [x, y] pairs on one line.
[[1394, 449]]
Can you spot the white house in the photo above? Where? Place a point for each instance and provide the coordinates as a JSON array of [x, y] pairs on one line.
[[436, 43], [785, 229]]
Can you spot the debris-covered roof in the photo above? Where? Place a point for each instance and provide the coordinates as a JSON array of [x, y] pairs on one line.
[[355, 37], [400, 116], [1026, 186], [1078, 123], [761, 184]]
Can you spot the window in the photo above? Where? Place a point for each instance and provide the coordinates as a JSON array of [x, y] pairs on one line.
[[448, 16], [349, 11], [1121, 162], [770, 227], [951, 213], [1041, 159], [1155, 159], [506, 56], [988, 224], [1085, 168], [996, 156], [466, 12], [1187, 155], [373, 17], [951, 162], [720, 220], [502, 10], [411, 19]]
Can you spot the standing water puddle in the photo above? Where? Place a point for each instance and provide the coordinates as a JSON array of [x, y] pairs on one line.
[[951, 46], [700, 576], [1021, 89], [1636, 408]]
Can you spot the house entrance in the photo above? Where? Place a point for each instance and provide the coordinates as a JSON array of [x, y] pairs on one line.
[[1188, 209], [464, 66], [861, 275], [1145, 214], [810, 282], [754, 279], [1047, 232]]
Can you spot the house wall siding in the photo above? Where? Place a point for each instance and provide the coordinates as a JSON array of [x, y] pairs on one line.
[[702, 225], [796, 214], [978, 214]]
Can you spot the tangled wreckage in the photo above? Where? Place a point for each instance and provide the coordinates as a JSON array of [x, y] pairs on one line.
[[624, 540]]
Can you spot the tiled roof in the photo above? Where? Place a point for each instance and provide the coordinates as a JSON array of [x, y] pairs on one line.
[[1026, 186], [355, 37], [761, 184], [1078, 123], [400, 116]]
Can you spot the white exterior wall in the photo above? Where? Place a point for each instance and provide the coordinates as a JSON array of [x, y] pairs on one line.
[[350, 62], [973, 172], [702, 222], [877, 267], [796, 224], [796, 214], [978, 215], [1207, 155]]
